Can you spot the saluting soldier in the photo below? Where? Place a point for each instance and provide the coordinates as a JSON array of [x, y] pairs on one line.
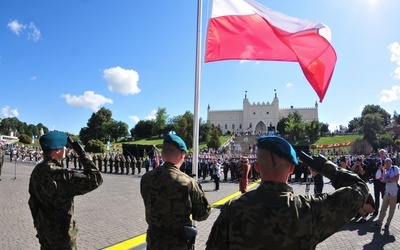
[[100, 162], [111, 161], [52, 188], [273, 217]]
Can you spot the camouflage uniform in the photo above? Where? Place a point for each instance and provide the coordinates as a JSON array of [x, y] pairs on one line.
[[170, 197], [52, 189], [272, 217]]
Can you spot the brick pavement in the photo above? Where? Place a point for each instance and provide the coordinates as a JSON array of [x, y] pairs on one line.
[[115, 213]]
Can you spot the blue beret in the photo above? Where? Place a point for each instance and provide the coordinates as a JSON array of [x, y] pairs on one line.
[[177, 141], [53, 140], [279, 146]]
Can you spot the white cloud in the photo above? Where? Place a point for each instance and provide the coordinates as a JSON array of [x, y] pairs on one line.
[[395, 57], [123, 81], [88, 100], [33, 78], [6, 112], [390, 95], [16, 27], [134, 118], [289, 85], [152, 115], [34, 33]]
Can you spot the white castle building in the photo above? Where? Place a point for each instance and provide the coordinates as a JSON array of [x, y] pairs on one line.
[[256, 117]]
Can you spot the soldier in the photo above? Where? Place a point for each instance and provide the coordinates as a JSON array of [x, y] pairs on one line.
[[1, 159], [52, 189], [111, 162], [273, 217], [139, 164], [133, 164], [122, 163], [127, 163], [100, 162], [116, 163], [170, 198], [105, 162]]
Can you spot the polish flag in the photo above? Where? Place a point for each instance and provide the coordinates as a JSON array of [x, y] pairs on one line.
[[247, 30]]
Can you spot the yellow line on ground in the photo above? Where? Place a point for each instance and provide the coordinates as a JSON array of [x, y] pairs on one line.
[[141, 239]]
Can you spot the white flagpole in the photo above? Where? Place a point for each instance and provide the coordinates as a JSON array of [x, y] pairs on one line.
[[195, 159]]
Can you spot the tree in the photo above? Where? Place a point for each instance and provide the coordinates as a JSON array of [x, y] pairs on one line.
[[376, 109], [372, 126], [280, 126], [354, 125], [117, 129], [24, 138], [94, 146], [143, 129], [214, 140], [360, 147], [312, 130], [160, 122], [97, 126], [204, 131], [385, 140], [324, 129]]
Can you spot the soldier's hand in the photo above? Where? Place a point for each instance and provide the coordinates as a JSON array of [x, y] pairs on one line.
[[315, 162]]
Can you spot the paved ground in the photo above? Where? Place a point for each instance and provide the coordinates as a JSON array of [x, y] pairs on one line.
[[114, 213]]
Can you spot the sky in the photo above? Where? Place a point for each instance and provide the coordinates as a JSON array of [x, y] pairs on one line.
[[61, 61]]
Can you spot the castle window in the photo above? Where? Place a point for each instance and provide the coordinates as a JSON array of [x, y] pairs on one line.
[[233, 126], [254, 112], [267, 112], [226, 126], [240, 126]]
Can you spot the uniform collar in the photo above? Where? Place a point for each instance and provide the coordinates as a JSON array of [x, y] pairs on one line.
[[275, 186]]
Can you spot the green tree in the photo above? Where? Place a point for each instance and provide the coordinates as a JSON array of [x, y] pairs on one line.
[[24, 138], [385, 140], [204, 131], [280, 127], [160, 122], [214, 140], [117, 129], [94, 146], [97, 126], [143, 129], [376, 109], [354, 125], [372, 127], [324, 129], [312, 130]]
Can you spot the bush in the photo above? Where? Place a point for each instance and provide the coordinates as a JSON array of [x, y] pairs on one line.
[[94, 146], [24, 138]]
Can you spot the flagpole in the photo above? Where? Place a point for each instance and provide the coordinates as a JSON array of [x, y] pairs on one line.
[[195, 159]]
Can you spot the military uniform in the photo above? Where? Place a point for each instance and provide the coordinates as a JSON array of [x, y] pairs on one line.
[[272, 217], [52, 189], [170, 197]]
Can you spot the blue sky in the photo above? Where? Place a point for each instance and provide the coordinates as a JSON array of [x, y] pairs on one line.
[[60, 61]]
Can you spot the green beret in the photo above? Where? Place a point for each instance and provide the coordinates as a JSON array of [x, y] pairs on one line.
[[279, 146], [53, 140], [177, 141]]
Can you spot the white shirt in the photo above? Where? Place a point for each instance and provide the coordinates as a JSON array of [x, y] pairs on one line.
[[391, 188]]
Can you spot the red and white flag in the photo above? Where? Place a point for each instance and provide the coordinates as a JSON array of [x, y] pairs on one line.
[[247, 30]]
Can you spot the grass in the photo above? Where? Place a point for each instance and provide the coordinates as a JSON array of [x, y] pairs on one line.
[[337, 139]]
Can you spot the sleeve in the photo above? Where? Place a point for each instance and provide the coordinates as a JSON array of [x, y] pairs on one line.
[[200, 206], [218, 238], [332, 211]]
